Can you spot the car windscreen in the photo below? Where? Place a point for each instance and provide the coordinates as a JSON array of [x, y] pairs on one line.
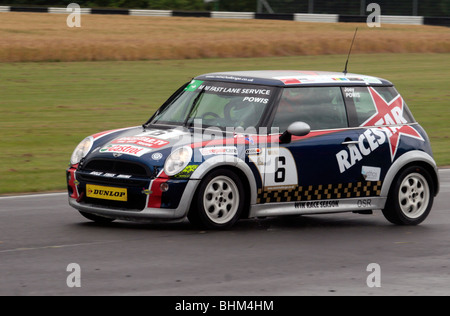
[[218, 104]]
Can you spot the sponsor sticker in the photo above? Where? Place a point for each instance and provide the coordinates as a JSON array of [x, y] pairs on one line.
[[317, 204], [371, 80], [164, 134], [340, 79], [290, 80], [186, 172], [157, 156], [193, 85], [371, 173], [253, 151], [227, 77], [111, 175], [228, 150], [125, 149], [106, 193], [356, 79], [295, 79], [250, 139], [144, 141]]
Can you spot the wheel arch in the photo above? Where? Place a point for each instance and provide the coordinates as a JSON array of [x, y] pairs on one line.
[[418, 158], [236, 165], [245, 182]]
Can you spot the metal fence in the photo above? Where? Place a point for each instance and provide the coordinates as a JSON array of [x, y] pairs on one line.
[[357, 7]]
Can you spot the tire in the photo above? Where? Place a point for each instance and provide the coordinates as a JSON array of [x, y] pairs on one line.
[[218, 202], [410, 198], [96, 218]]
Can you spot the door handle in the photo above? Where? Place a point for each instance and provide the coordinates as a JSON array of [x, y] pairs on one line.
[[350, 142]]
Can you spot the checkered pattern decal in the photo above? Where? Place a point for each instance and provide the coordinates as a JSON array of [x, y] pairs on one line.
[[320, 192]]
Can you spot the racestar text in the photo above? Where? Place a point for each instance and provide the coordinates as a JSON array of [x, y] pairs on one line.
[[348, 158]]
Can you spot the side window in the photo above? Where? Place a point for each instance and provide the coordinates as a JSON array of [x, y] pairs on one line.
[[377, 105], [361, 98], [320, 107]]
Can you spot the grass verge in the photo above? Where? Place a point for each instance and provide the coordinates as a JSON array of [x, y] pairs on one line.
[[47, 108]]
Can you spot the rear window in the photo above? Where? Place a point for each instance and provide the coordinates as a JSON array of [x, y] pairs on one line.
[[377, 106], [320, 107]]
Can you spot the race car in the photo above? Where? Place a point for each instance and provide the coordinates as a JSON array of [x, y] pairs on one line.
[[250, 144]]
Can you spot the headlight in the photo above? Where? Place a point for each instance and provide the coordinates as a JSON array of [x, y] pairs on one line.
[[81, 150], [178, 160]]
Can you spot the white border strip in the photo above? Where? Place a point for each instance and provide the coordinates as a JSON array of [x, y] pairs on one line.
[[64, 10], [397, 19], [232, 15], [136, 12], [298, 17], [323, 18]]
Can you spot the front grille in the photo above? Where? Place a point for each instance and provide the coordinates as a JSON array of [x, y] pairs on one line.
[[115, 173], [89, 178], [117, 167]]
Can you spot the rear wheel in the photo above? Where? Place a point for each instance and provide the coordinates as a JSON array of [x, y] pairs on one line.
[[410, 198], [219, 200], [96, 218]]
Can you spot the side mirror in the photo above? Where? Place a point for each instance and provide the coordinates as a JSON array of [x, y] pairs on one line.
[[296, 129]]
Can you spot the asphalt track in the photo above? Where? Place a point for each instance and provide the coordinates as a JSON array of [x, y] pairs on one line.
[[40, 235]]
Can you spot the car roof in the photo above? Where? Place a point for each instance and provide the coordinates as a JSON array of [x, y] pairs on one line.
[[294, 78]]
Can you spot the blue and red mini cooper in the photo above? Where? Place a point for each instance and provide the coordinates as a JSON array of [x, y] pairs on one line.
[[233, 145]]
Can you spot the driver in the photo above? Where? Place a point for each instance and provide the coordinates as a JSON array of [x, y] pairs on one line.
[[292, 107], [292, 98], [241, 113]]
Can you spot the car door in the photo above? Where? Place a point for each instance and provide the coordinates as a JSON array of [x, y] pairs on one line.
[[307, 169]]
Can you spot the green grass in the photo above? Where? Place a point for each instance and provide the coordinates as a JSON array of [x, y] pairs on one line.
[[47, 108]]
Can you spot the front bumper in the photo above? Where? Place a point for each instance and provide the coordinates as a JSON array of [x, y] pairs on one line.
[[157, 206], [147, 214]]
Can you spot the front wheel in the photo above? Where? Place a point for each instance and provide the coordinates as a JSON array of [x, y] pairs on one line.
[[410, 198], [219, 201]]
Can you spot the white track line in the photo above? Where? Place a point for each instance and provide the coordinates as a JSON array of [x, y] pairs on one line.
[[32, 195]]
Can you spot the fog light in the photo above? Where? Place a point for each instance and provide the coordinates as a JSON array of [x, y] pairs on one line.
[[164, 187]]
